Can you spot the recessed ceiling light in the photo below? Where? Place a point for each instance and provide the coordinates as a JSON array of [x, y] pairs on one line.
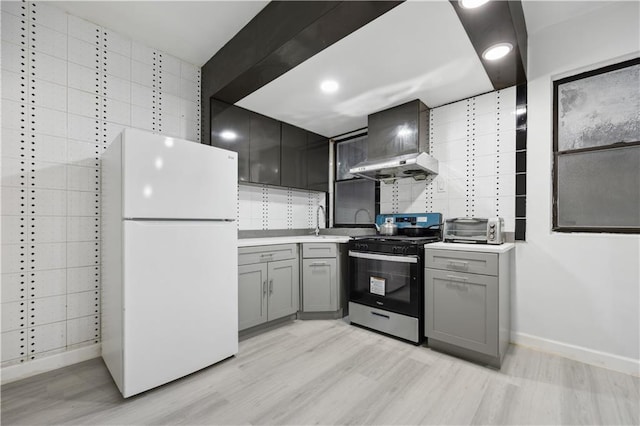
[[329, 86], [472, 4], [228, 135], [497, 51]]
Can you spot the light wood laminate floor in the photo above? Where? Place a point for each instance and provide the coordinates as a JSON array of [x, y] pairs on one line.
[[328, 372]]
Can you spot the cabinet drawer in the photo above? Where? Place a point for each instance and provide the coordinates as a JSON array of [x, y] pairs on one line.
[[462, 261], [249, 255], [398, 325], [313, 250]]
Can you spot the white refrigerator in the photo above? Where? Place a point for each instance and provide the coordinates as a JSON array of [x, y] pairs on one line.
[[169, 258]]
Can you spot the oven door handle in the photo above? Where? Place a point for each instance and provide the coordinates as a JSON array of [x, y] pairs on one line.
[[373, 256]]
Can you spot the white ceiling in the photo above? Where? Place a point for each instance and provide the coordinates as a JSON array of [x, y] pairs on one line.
[[190, 30], [540, 14], [417, 50]]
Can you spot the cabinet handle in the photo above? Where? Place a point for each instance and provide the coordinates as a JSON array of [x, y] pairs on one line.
[[271, 286], [318, 264], [455, 277], [458, 264], [264, 288], [458, 286], [266, 255]]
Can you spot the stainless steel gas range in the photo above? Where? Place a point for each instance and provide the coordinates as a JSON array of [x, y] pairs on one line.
[[386, 288]]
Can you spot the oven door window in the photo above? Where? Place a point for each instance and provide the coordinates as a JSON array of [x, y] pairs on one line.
[[385, 281]]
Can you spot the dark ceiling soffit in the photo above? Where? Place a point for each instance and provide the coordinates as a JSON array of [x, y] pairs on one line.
[[277, 23], [283, 35], [498, 22]]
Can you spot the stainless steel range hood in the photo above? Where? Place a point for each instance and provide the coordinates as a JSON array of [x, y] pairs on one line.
[[397, 144], [417, 166]]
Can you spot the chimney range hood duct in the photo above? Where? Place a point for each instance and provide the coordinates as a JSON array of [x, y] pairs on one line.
[[417, 166], [397, 144]]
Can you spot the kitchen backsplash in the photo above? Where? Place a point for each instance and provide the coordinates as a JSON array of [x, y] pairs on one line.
[[68, 88], [265, 208], [474, 141]]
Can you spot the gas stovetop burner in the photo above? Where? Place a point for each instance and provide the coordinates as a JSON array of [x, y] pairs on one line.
[[399, 238]]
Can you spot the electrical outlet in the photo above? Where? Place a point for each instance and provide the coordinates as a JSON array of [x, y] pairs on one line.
[[442, 184]]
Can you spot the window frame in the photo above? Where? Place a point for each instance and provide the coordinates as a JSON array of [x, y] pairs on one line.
[[338, 140], [557, 153]]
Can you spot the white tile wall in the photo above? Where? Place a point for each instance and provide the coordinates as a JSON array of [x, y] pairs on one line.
[[474, 142], [68, 88], [262, 207]]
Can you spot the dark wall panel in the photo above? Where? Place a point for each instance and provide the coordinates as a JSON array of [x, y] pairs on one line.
[[497, 22]]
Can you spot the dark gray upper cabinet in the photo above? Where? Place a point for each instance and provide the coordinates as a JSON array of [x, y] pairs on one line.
[[398, 131], [264, 153], [271, 152], [231, 129], [317, 162], [293, 150]]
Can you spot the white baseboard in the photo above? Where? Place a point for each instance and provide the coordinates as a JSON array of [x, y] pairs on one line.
[[37, 366], [578, 353]]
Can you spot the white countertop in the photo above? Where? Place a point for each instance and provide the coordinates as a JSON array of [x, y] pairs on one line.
[[485, 248], [297, 239]]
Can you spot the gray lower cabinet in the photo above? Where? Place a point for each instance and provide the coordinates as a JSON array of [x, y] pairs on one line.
[[283, 289], [320, 277], [268, 284], [252, 295], [466, 313], [320, 290]]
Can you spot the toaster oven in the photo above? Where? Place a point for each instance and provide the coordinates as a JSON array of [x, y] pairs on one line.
[[474, 230]]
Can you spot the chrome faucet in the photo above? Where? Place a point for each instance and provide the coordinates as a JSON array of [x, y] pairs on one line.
[[324, 215]]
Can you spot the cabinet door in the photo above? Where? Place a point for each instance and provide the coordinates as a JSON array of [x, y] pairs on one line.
[[231, 129], [252, 295], [293, 171], [264, 152], [462, 309], [317, 162], [319, 285], [283, 288]]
